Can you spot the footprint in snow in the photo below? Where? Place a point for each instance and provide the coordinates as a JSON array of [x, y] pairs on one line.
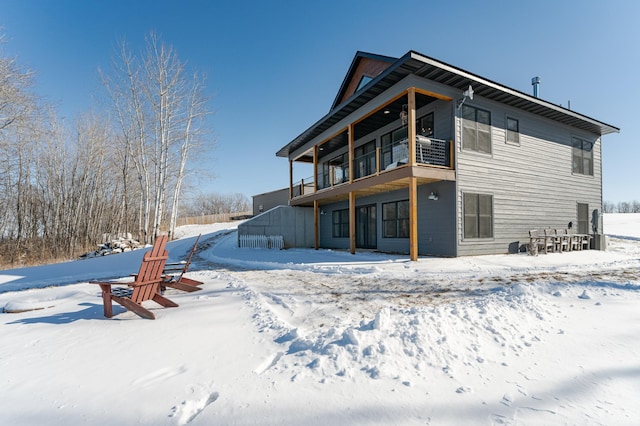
[[584, 295], [189, 409]]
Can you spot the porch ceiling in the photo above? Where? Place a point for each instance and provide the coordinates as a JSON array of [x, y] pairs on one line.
[[415, 63], [377, 120]]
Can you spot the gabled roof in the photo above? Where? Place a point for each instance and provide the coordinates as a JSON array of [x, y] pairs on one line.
[[357, 59], [421, 65]]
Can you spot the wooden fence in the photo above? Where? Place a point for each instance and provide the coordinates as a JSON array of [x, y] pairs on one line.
[[212, 218]]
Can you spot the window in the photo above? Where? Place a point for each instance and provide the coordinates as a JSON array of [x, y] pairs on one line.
[[340, 223], [395, 219], [424, 126], [365, 160], [340, 166], [513, 131], [478, 215], [323, 176], [394, 147], [363, 81], [476, 129], [582, 156]]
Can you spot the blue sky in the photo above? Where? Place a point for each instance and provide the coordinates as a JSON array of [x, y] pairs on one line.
[[274, 67]]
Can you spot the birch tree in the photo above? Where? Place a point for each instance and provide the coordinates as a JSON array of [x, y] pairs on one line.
[[160, 111]]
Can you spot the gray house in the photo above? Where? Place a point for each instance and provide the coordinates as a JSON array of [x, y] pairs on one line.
[[417, 156]]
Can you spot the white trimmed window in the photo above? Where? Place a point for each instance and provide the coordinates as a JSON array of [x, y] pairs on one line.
[[582, 156], [477, 210], [513, 131], [476, 129]]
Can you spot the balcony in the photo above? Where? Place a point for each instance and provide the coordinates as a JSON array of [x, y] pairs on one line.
[[386, 168]]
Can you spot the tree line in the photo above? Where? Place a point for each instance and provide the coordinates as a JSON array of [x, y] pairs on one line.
[[120, 167], [621, 207]]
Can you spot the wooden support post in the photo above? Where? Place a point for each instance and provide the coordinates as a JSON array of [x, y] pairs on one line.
[[451, 154], [315, 168], [316, 224], [377, 160], [352, 222], [413, 218], [411, 94], [291, 180], [350, 134]]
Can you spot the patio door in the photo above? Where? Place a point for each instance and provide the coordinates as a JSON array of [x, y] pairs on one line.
[[366, 225], [583, 218]]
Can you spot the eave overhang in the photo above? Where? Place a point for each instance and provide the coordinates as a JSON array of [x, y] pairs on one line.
[[423, 66]]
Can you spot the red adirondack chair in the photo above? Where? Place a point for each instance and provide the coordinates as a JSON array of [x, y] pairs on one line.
[[146, 285], [174, 273]]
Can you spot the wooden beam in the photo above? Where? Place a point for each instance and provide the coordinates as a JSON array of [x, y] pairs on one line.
[[352, 222], [451, 154], [291, 180], [315, 168], [411, 95], [316, 224], [413, 218], [433, 94], [351, 136]]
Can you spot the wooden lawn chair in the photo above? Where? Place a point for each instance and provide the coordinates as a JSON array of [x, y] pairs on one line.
[[535, 242], [173, 274], [146, 285], [549, 240], [574, 241], [562, 240]]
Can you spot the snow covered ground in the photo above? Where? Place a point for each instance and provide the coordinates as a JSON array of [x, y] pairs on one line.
[[325, 337]]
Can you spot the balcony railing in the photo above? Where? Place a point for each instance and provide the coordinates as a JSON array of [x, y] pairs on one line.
[[429, 152], [303, 187], [364, 165], [432, 151]]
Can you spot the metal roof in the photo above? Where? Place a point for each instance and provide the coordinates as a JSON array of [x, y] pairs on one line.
[[418, 64]]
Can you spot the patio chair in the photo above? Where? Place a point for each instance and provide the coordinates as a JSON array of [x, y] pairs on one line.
[[173, 274], [146, 285]]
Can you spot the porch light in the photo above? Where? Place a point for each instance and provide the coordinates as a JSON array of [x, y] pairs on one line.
[[404, 115], [433, 196]]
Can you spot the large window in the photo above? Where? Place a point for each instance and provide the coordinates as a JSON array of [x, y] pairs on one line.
[[424, 126], [513, 131], [365, 160], [476, 129], [395, 219], [478, 215], [394, 148], [341, 223], [582, 156]]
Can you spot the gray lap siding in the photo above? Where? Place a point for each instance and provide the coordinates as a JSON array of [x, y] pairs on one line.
[[532, 184]]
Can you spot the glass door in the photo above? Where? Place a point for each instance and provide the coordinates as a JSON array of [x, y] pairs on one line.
[[366, 226]]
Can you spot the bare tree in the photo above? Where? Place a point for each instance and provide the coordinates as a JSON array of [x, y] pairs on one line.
[[214, 203], [161, 113], [608, 207]]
